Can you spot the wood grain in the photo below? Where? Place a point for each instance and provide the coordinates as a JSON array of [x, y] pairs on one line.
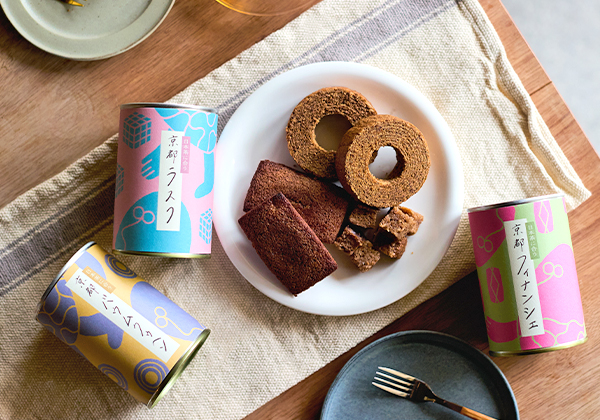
[[564, 384], [461, 305], [55, 110], [550, 386]]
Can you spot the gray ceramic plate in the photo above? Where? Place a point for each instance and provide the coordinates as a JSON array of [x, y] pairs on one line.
[[454, 370], [100, 29]]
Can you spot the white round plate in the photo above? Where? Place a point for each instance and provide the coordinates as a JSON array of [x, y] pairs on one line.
[[256, 131], [100, 29]]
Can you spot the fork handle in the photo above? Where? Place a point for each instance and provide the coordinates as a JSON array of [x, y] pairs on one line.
[[474, 414], [464, 410]]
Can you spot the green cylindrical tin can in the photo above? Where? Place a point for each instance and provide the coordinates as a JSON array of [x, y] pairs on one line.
[[527, 275]]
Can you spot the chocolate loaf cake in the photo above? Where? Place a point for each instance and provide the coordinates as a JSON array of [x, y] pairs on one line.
[[286, 244], [323, 206]]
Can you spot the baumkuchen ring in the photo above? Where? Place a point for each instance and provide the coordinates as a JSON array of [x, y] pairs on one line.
[[356, 151], [300, 131]]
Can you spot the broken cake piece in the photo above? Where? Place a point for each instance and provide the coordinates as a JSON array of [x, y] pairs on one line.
[[390, 245], [286, 244], [365, 257], [401, 221], [322, 205], [364, 216], [360, 250], [392, 236]]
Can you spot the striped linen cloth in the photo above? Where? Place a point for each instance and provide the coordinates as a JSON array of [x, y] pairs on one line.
[[445, 48]]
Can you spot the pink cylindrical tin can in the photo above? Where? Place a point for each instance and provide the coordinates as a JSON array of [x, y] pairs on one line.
[[164, 181], [527, 275]]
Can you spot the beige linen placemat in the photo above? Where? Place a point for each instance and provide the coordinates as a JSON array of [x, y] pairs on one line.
[[446, 48]]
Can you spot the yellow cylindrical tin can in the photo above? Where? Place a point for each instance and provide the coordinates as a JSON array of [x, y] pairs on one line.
[[121, 324]]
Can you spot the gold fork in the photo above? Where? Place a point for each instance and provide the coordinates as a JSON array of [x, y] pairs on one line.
[[413, 389]]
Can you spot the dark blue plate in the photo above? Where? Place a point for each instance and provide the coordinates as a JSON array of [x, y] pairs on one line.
[[454, 370]]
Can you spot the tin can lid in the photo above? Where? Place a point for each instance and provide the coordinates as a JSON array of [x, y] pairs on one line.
[[167, 105], [179, 367], [514, 202]]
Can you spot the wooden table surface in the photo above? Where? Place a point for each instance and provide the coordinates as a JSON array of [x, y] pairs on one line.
[[54, 111]]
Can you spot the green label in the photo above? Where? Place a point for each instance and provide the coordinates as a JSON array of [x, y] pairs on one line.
[[534, 251]]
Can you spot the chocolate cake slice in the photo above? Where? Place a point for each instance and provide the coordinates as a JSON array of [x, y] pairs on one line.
[[323, 206], [286, 244]]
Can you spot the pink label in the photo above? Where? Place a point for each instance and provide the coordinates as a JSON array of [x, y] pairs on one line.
[[527, 249], [139, 202], [559, 293], [185, 155], [501, 332], [487, 231]]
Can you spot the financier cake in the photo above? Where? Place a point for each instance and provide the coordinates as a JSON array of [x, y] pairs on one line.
[[322, 205], [300, 131], [356, 150], [287, 245]]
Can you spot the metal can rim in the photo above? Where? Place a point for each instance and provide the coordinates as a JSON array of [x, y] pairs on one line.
[[178, 369], [65, 267], [514, 202], [131, 105], [505, 353], [160, 254]]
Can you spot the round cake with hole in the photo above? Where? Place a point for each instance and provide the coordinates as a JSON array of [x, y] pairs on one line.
[[300, 130], [356, 152]]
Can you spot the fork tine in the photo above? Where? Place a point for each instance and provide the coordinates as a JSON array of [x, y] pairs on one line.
[[403, 382], [400, 374], [391, 390], [400, 387]]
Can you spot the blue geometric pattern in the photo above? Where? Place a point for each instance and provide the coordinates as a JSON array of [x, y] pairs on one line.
[[206, 226], [201, 128], [120, 180], [59, 316], [137, 230], [151, 164], [136, 130]]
